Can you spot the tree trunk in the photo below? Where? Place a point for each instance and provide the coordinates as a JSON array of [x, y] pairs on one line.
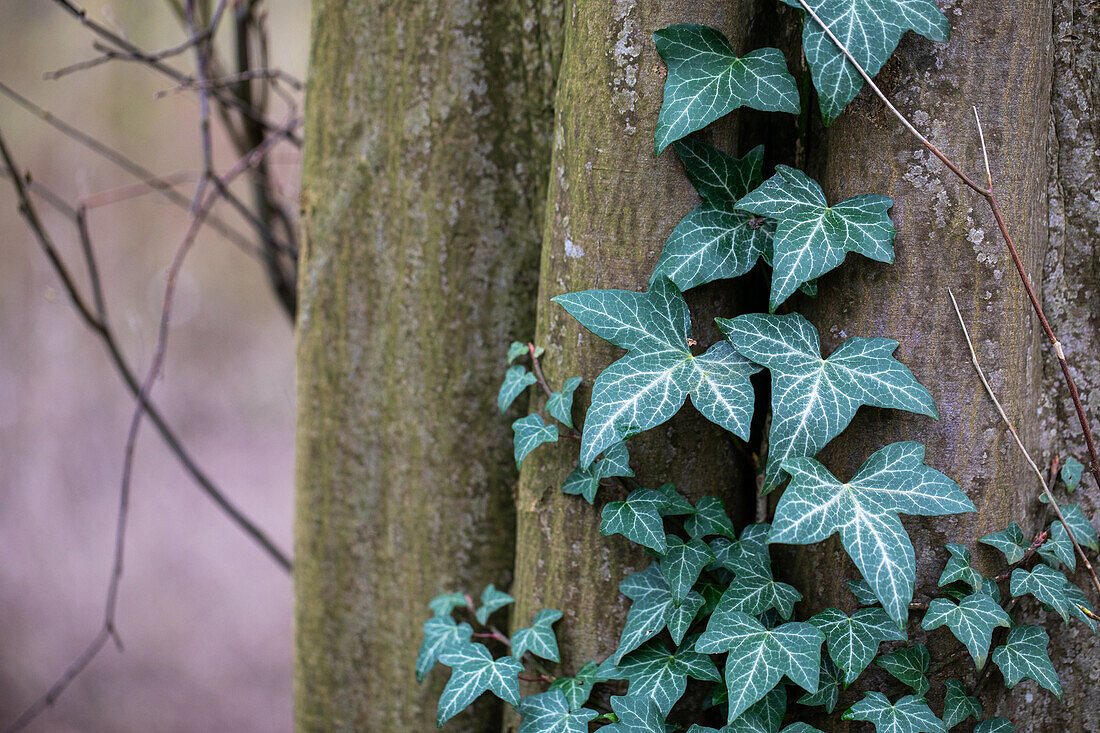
[[612, 205], [426, 161]]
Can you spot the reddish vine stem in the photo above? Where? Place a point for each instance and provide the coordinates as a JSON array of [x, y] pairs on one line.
[[994, 206]]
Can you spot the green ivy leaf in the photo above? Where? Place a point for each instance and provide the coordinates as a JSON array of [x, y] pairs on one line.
[[516, 350], [1058, 548], [870, 29], [910, 714], [763, 716], [710, 519], [828, 686], [440, 634], [958, 568], [516, 379], [491, 600], [530, 433], [635, 714], [1046, 584], [550, 713], [682, 564], [660, 675], [972, 622], [995, 725], [577, 688], [539, 638], [958, 706], [638, 519], [474, 671], [865, 511], [651, 610], [586, 481], [908, 665], [800, 728], [675, 503], [1078, 603], [812, 237], [716, 241], [814, 399], [853, 641], [445, 603], [560, 404], [706, 80], [1071, 473], [648, 385], [759, 657], [1082, 528], [863, 593], [754, 591], [748, 554], [1009, 541], [1024, 656]]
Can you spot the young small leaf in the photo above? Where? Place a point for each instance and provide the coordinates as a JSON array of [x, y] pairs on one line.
[[1071, 473], [910, 714], [638, 519], [865, 511], [539, 638], [516, 379], [972, 622], [1024, 656], [586, 481], [958, 568], [516, 350], [577, 688], [445, 603], [1058, 548], [958, 706], [814, 399], [754, 591], [440, 634], [748, 554], [474, 671], [530, 433], [560, 404], [682, 564], [812, 237], [1009, 541], [491, 600], [1078, 604], [853, 641], [909, 665], [550, 713], [706, 80]]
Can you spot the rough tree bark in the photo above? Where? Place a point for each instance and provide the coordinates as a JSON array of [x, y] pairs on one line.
[[425, 166]]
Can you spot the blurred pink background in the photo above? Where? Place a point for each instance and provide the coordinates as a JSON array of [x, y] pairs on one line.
[[205, 615]]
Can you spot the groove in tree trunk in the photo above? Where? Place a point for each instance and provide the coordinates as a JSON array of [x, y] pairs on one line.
[[425, 167]]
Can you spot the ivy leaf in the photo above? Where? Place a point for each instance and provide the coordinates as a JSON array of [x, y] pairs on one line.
[[995, 725], [870, 29], [550, 713], [474, 671], [958, 568], [763, 716], [560, 404], [748, 554], [440, 634], [539, 638], [706, 80], [635, 714], [1058, 548], [800, 728], [716, 240], [638, 519], [865, 512], [577, 688], [530, 433], [759, 657], [661, 676], [1009, 541], [910, 714], [675, 503], [710, 519], [648, 385], [684, 614], [1082, 528], [445, 603], [586, 481], [972, 622], [682, 564], [516, 350], [1071, 473], [1046, 584], [812, 237], [828, 686], [754, 591], [650, 611], [516, 379], [1024, 656], [853, 641], [958, 706], [1078, 603], [491, 600], [814, 399], [863, 593], [909, 666]]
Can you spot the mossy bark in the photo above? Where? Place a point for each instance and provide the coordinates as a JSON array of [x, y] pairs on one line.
[[999, 60], [426, 160], [612, 204]]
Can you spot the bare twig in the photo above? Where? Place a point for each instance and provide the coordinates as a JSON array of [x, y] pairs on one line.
[[1011, 429], [995, 208]]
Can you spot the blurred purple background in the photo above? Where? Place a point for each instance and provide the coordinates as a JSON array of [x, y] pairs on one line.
[[204, 614]]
